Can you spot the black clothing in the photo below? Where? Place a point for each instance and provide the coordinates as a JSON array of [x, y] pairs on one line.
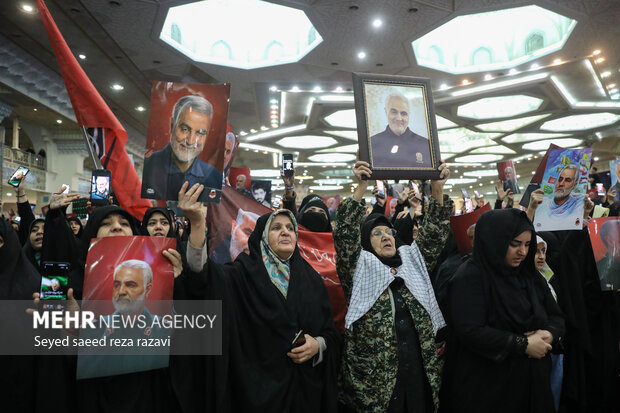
[[491, 307], [372, 221], [24, 210], [314, 221], [412, 150], [254, 374], [77, 220], [34, 256], [18, 277], [147, 215]]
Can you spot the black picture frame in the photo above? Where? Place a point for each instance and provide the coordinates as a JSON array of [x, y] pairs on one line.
[[415, 159]]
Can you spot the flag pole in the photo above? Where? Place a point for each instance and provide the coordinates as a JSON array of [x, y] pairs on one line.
[[91, 151]]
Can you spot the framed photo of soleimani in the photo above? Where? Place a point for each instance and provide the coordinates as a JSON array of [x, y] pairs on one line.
[[396, 126]]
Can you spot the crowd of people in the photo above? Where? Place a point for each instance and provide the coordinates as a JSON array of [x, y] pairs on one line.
[[518, 325]]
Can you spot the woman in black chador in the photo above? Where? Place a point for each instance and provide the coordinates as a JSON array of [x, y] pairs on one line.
[[504, 323]]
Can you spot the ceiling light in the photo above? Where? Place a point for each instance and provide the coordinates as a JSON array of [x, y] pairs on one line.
[[336, 98], [499, 107], [480, 172], [581, 122], [615, 96], [494, 149], [361, 55], [326, 187], [35, 109], [473, 51], [342, 119], [338, 90], [273, 88], [513, 71], [488, 77], [456, 181], [599, 60], [605, 74], [295, 89], [479, 158], [263, 127], [596, 158], [347, 134], [563, 143], [510, 124], [443, 123], [333, 181], [59, 121], [443, 86], [257, 148], [273, 133], [377, 23], [27, 8], [140, 108], [535, 66], [337, 172], [273, 34], [116, 86], [317, 89], [265, 173], [243, 133], [332, 157], [460, 139], [502, 84], [82, 56], [596, 52], [526, 137], [611, 85], [343, 149], [614, 90], [465, 82], [307, 142], [557, 61]]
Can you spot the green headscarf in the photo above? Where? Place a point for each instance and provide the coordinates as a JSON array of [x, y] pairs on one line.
[[278, 269]]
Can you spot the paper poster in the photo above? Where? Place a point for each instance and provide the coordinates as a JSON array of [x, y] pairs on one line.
[[565, 183], [464, 228], [605, 239], [240, 179], [332, 203], [507, 173], [614, 172], [390, 206], [128, 286], [261, 192], [186, 139]]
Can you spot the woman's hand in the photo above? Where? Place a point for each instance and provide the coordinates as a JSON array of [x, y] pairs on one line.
[[304, 353], [536, 199], [71, 306], [437, 185], [361, 171], [195, 211], [588, 206], [499, 188], [60, 199], [375, 193], [538, 343], [175, 259]]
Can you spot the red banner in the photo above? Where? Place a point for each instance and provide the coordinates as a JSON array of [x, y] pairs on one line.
[[91, 111], [231, 222], [461, 223]]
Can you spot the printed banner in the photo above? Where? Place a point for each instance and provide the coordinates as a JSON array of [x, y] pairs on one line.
[[126, 279], [186, 139], [464, 227], [507, 173], [605, 239], [261, 192], [565, 184], [231, 222]]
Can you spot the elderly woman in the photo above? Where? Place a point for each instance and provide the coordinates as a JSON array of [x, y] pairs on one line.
[[505, 322], [391, 361], [268, 298]]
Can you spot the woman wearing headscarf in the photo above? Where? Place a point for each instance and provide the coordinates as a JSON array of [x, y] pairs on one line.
[[76, 226], [504, 322], [268, 297], [157, 223], [391, 361]]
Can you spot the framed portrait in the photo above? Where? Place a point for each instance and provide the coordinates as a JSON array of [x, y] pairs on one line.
[[396, 126]]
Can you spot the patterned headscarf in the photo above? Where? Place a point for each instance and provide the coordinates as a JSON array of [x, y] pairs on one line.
[[279, 270]]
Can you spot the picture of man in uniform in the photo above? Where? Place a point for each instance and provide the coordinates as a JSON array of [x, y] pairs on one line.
[[102, 187], [166, 170], [397, 145], [609, 266]]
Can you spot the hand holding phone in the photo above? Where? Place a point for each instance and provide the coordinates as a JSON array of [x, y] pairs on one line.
[[19, 175], [100, 187], [299, 340], [287, 164], [600, 189], [380, 190]]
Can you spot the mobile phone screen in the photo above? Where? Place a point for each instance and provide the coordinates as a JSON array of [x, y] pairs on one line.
[[54, 284], [287, 164], [19, 174], [600, 189], [469, 206], [415, 188], [380, 189], [477, 194], [100, 187], [465, 194]]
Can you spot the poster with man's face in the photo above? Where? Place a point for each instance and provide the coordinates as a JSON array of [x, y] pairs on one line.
[[565, 183], [614, 171], [261, 192], [128, 286], [332, 202], [240, 179], [605, 239], [507, 173], [186, 140], [464, 228]]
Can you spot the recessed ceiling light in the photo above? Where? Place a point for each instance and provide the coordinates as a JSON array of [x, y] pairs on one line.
[[564, 143], [307, 142], [273, 88], [59, 121], [35, 109], [535, 66], [332, 157], [140, 109], [443, 86], [465, 82], [295, 89], [27, 8], [317, 89], [513, 71], [377, 23], [599, 60], [343, 119], [263, 127], [338, 89], [253, 130], [557, 61], [361, 55], [510, 124], [499, 107], [596, 52], [611, 85], [243, 133], [488, 77], [605, 74], [614, 90], [479, 158], [82, 56], [116, 86], [581, 122], [347, 134]]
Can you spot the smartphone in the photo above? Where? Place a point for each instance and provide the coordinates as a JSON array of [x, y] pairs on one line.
[[275, 203], [100, 187], [469, 205], [299, 339], [380, 189], [477, 194], [415, 188], [54, 284], [465, 194], [67, 189], [19, 174], [600, 189], [287, 164]]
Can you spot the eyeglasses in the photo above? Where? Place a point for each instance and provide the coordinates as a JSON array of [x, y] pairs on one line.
[[379, 232]]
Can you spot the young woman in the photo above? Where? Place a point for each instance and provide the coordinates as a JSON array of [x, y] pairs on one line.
[[504, 320]]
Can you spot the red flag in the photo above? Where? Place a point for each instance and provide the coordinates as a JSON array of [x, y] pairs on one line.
[[91, 111], [230, 222]]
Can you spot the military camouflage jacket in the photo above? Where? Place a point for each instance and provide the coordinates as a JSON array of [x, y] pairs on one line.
[[370, 357]]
